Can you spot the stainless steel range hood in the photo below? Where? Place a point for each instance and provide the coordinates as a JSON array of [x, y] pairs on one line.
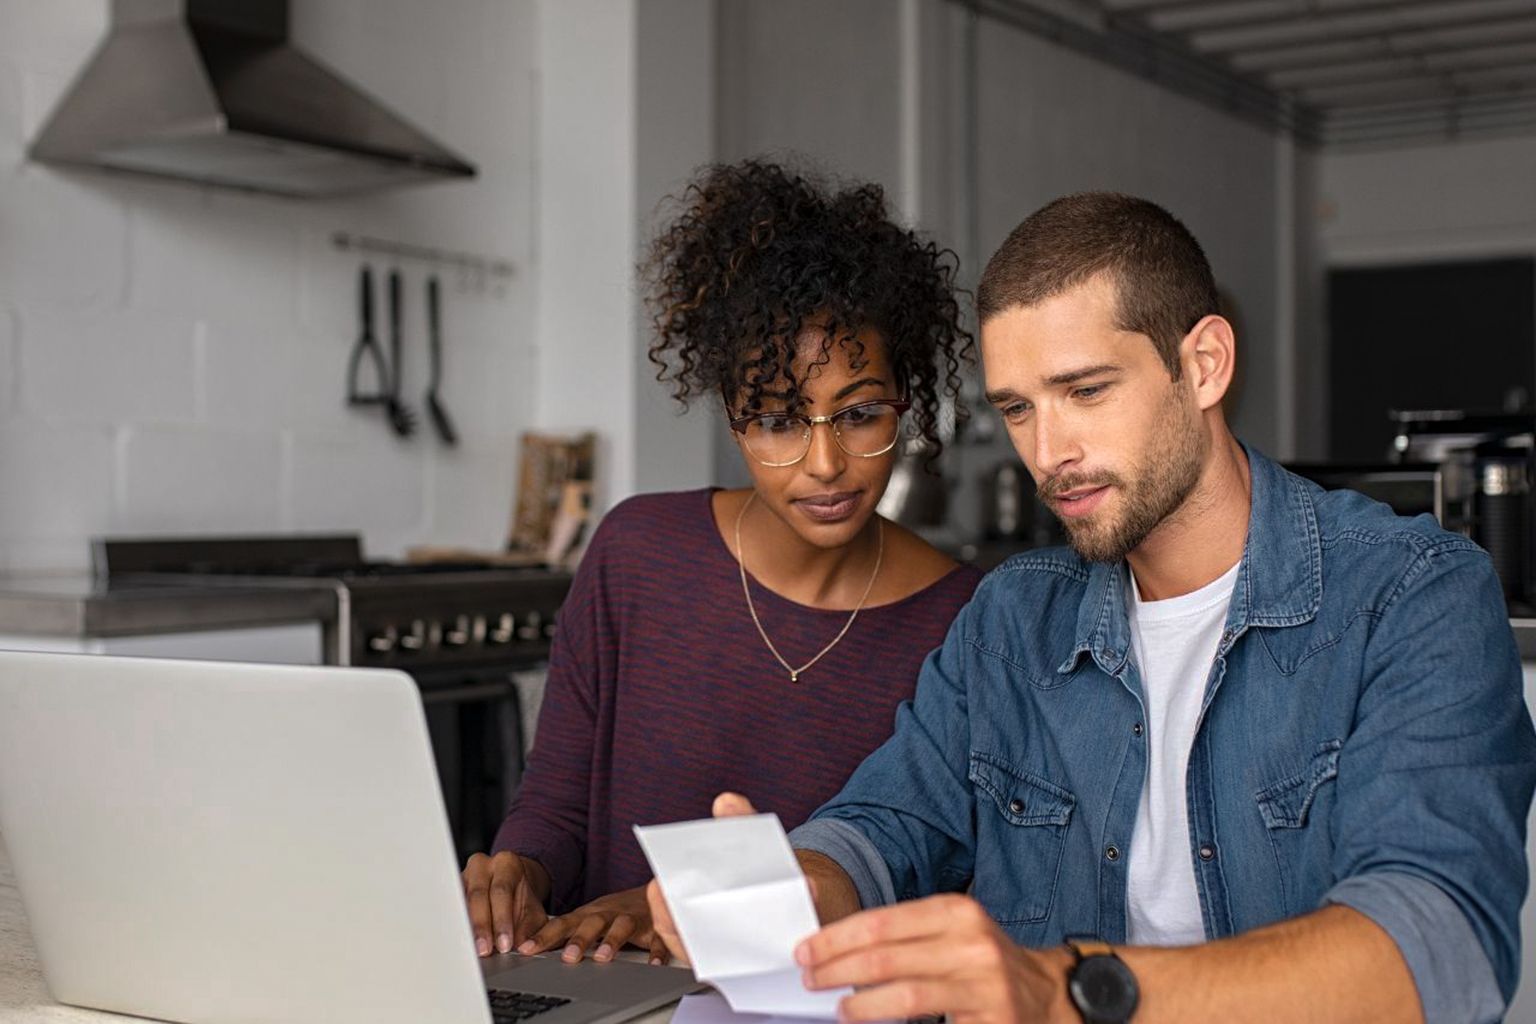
[[212, 91]]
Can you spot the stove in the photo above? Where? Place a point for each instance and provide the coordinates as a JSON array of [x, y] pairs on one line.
[[459, 629], [428, 619]]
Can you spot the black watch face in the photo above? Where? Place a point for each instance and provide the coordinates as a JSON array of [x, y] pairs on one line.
[[1104, 990]]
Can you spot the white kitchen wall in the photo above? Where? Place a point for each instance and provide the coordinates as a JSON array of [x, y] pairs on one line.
[[172, 357], [1052, 121], [1048, 121], [1445, 201]]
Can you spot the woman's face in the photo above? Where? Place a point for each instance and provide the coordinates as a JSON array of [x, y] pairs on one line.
[[828, 496]]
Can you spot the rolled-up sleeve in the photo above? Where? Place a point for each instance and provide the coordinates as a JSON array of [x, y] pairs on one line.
[[854, 853], [1435, 785], [1449, 968]]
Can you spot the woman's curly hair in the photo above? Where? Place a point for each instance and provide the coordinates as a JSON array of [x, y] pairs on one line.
[[759, 253]]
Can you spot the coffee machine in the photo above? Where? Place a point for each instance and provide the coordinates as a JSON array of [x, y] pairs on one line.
[[1486, 463]]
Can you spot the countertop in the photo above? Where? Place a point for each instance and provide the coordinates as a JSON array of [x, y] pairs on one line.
[[81, 606]]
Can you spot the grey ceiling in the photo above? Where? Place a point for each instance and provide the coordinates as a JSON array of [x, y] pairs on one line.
[[1350, 72]]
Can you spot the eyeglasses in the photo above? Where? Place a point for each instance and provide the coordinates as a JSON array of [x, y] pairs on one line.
[[782, 439]]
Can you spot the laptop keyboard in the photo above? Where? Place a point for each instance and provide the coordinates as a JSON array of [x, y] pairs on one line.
[[510, 1007]]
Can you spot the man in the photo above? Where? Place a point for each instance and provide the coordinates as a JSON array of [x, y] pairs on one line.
[[1259, 750]]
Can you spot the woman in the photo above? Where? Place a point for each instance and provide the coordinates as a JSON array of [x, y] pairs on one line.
[[755, 640]]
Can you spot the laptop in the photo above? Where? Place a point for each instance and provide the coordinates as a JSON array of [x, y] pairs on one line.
[[218, 842]]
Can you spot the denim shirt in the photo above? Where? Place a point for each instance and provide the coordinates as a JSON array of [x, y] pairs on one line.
[[1363, 741]]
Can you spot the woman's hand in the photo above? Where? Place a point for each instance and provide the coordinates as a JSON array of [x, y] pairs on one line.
[[614, 919], [505, 894]]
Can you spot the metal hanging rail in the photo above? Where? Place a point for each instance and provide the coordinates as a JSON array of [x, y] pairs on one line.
[[348, 242]]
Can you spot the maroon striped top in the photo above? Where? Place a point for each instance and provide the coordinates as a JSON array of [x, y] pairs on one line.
[[661, 694]]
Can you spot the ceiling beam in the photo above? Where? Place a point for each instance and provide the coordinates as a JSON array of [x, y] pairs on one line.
[[1511, 53], [1277, 13], [1418, 41], [1491, 82], [1410, 16]]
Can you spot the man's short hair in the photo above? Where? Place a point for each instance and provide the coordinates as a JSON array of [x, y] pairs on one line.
[[1163, 283]]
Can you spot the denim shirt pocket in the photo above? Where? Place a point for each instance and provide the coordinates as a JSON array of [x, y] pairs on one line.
[[1021, 830], [1295, 811]]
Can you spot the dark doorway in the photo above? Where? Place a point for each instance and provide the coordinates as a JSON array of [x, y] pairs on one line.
[[1426, 336]]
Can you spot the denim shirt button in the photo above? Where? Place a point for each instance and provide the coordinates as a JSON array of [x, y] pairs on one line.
[[1112, 852], [1136, 729], [1016, 806], [1207, 852]]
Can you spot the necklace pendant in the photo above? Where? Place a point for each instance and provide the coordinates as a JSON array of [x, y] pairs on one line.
[[794, 676]]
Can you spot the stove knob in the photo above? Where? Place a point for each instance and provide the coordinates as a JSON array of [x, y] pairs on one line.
[[549, 630], [457, 635], [502, 632], [477, 630], [531, 627], [383, 643], [416, 638]]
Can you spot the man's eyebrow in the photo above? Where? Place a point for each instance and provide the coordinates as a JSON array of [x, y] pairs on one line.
[[851, 388], [1002, 396], [1073, 376]]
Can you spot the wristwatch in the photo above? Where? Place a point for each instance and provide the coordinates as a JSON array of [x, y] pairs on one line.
[[1102, 987]]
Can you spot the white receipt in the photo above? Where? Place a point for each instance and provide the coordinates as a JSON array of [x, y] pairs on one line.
[[741, 905]]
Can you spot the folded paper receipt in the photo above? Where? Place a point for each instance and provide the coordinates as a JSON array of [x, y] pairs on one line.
[[741, 905]]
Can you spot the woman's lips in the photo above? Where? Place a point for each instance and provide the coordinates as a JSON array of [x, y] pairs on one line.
[[829, 508], [1081, 502]]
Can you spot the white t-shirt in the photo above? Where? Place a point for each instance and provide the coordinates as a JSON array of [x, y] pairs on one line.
[[1175, 644]]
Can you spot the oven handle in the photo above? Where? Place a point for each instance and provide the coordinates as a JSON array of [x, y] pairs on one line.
[[465, 694]]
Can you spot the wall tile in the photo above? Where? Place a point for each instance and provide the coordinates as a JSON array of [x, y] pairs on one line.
[[204, 480], [213, 253], [12, 107], [55, 480], [65, 239], [259, 377], [58, 42], [473, 492], [340, 484], [10, 383], [106, 366], [45, 556]]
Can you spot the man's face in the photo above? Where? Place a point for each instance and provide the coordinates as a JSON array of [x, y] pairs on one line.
[[1114, 444]]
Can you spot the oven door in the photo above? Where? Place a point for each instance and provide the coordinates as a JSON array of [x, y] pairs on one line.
[[476, 727]]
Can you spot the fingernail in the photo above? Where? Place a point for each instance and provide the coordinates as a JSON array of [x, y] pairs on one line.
[[483, 947], [572, 953], [504, 942], [655, 961], [526, 948], [802, 955], [604, 952]]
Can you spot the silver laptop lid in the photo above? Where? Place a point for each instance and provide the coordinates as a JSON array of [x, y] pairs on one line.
[[222, 842]]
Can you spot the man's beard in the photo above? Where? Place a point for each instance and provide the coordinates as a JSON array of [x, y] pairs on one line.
[[1167, 475]]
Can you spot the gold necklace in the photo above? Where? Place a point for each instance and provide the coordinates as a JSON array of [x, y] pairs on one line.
[[741, 562]]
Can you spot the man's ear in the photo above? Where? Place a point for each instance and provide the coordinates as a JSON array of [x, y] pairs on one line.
[[1208, 354]]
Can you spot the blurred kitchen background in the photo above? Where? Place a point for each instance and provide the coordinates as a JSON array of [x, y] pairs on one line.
[[175, 355]]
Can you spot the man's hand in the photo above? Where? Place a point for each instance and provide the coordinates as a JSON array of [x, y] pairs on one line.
[[505, 894], [941, 955], [617, 918]]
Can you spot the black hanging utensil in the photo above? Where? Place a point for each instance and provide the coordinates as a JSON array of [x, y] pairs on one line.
[[435, 407], [401, 417], [366, 349]]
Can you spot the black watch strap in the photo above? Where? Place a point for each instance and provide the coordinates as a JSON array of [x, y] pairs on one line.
[[1100, 985]]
